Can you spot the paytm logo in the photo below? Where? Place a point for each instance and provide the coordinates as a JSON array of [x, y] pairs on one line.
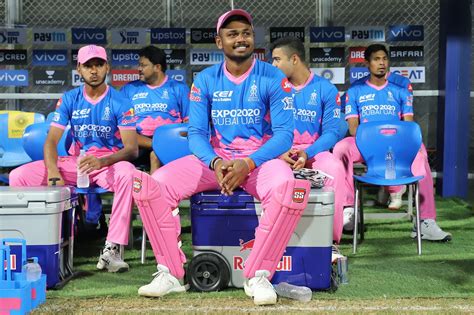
[[366, 33], [125, 57], [168, 36], [205, 56], [357, 73], [89, 35], [327, 34], [399, 33], [49, 36], [77, 80], [178, 75], [414, 74], [13, 78], [53, 57]]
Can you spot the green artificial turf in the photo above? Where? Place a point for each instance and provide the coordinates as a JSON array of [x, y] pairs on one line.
[[386, 265]]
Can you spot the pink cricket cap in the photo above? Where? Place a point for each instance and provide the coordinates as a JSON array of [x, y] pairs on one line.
[[89, 52], [230, 13]]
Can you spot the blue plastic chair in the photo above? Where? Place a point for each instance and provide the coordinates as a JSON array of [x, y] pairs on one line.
[[12, 126], [35, 137], [170, 142], [373, 140]]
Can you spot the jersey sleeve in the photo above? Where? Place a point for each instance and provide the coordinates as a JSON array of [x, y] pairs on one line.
[[351, 108], [62, 115], [199, 129], [183, 99], [281, 115], [406, 102], [125, 114], [330, 121]]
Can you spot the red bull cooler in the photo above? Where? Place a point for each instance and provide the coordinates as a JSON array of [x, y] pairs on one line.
[[223, 234]]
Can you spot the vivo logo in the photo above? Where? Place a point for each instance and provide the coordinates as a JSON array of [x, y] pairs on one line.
[[89, 36], [13, 78], [406, 33], [49, 57], [327, 34]]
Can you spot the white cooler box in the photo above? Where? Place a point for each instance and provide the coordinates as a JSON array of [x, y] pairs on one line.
[[44, 217]]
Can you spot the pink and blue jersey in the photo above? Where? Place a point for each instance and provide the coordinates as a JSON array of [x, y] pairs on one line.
[[95, 124], [251, 115], [394, 78], [374, 103], [155, 106], [317, 115]]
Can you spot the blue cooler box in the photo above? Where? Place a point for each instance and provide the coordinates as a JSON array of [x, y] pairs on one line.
[[44, 217], [223, 231]]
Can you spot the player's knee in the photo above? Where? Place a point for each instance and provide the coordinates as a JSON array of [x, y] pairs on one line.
[[16, 177]]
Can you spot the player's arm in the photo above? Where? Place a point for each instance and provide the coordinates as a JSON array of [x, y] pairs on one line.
[[144, 142], [199, 117], [51, 154], [183, 99], [281, 114], [331, 118], [406, 100], [352, 111], [60, 121], [129, 152]]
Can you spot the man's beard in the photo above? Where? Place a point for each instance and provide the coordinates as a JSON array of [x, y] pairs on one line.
[[240, 59]]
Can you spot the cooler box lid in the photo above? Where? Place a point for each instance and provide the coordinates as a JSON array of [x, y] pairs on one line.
[[323, 196], [33, 197]]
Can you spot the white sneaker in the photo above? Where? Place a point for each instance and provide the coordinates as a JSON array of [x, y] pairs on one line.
[[348, 219], [396, 199], [260, 288], [382, 196], [110, 259], [431, 231], [162, 284]]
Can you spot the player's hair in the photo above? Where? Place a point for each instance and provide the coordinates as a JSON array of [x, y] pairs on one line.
[[155, 55], [291, 45], [373, 49]]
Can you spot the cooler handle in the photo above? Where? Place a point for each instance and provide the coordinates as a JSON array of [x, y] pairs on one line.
[[23, 247], [5, 257]]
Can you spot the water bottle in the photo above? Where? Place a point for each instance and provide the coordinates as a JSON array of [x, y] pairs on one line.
[[82, 179], [32, 269], [295, 292], [342, 270], [390, 164]]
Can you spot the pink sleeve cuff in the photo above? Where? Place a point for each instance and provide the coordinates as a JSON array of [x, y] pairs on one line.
[[127, 127], [58, 125], [352, 116], [407, 114]]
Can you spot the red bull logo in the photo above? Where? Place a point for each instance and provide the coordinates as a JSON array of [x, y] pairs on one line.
[[130, 112], [286, 85], [285, 264], [246, 245]]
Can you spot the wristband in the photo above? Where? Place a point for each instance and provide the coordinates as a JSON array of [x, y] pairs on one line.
[[250, 163], [212, 165]]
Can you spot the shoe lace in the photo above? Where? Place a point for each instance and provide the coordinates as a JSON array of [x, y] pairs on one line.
[[262, 282]]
